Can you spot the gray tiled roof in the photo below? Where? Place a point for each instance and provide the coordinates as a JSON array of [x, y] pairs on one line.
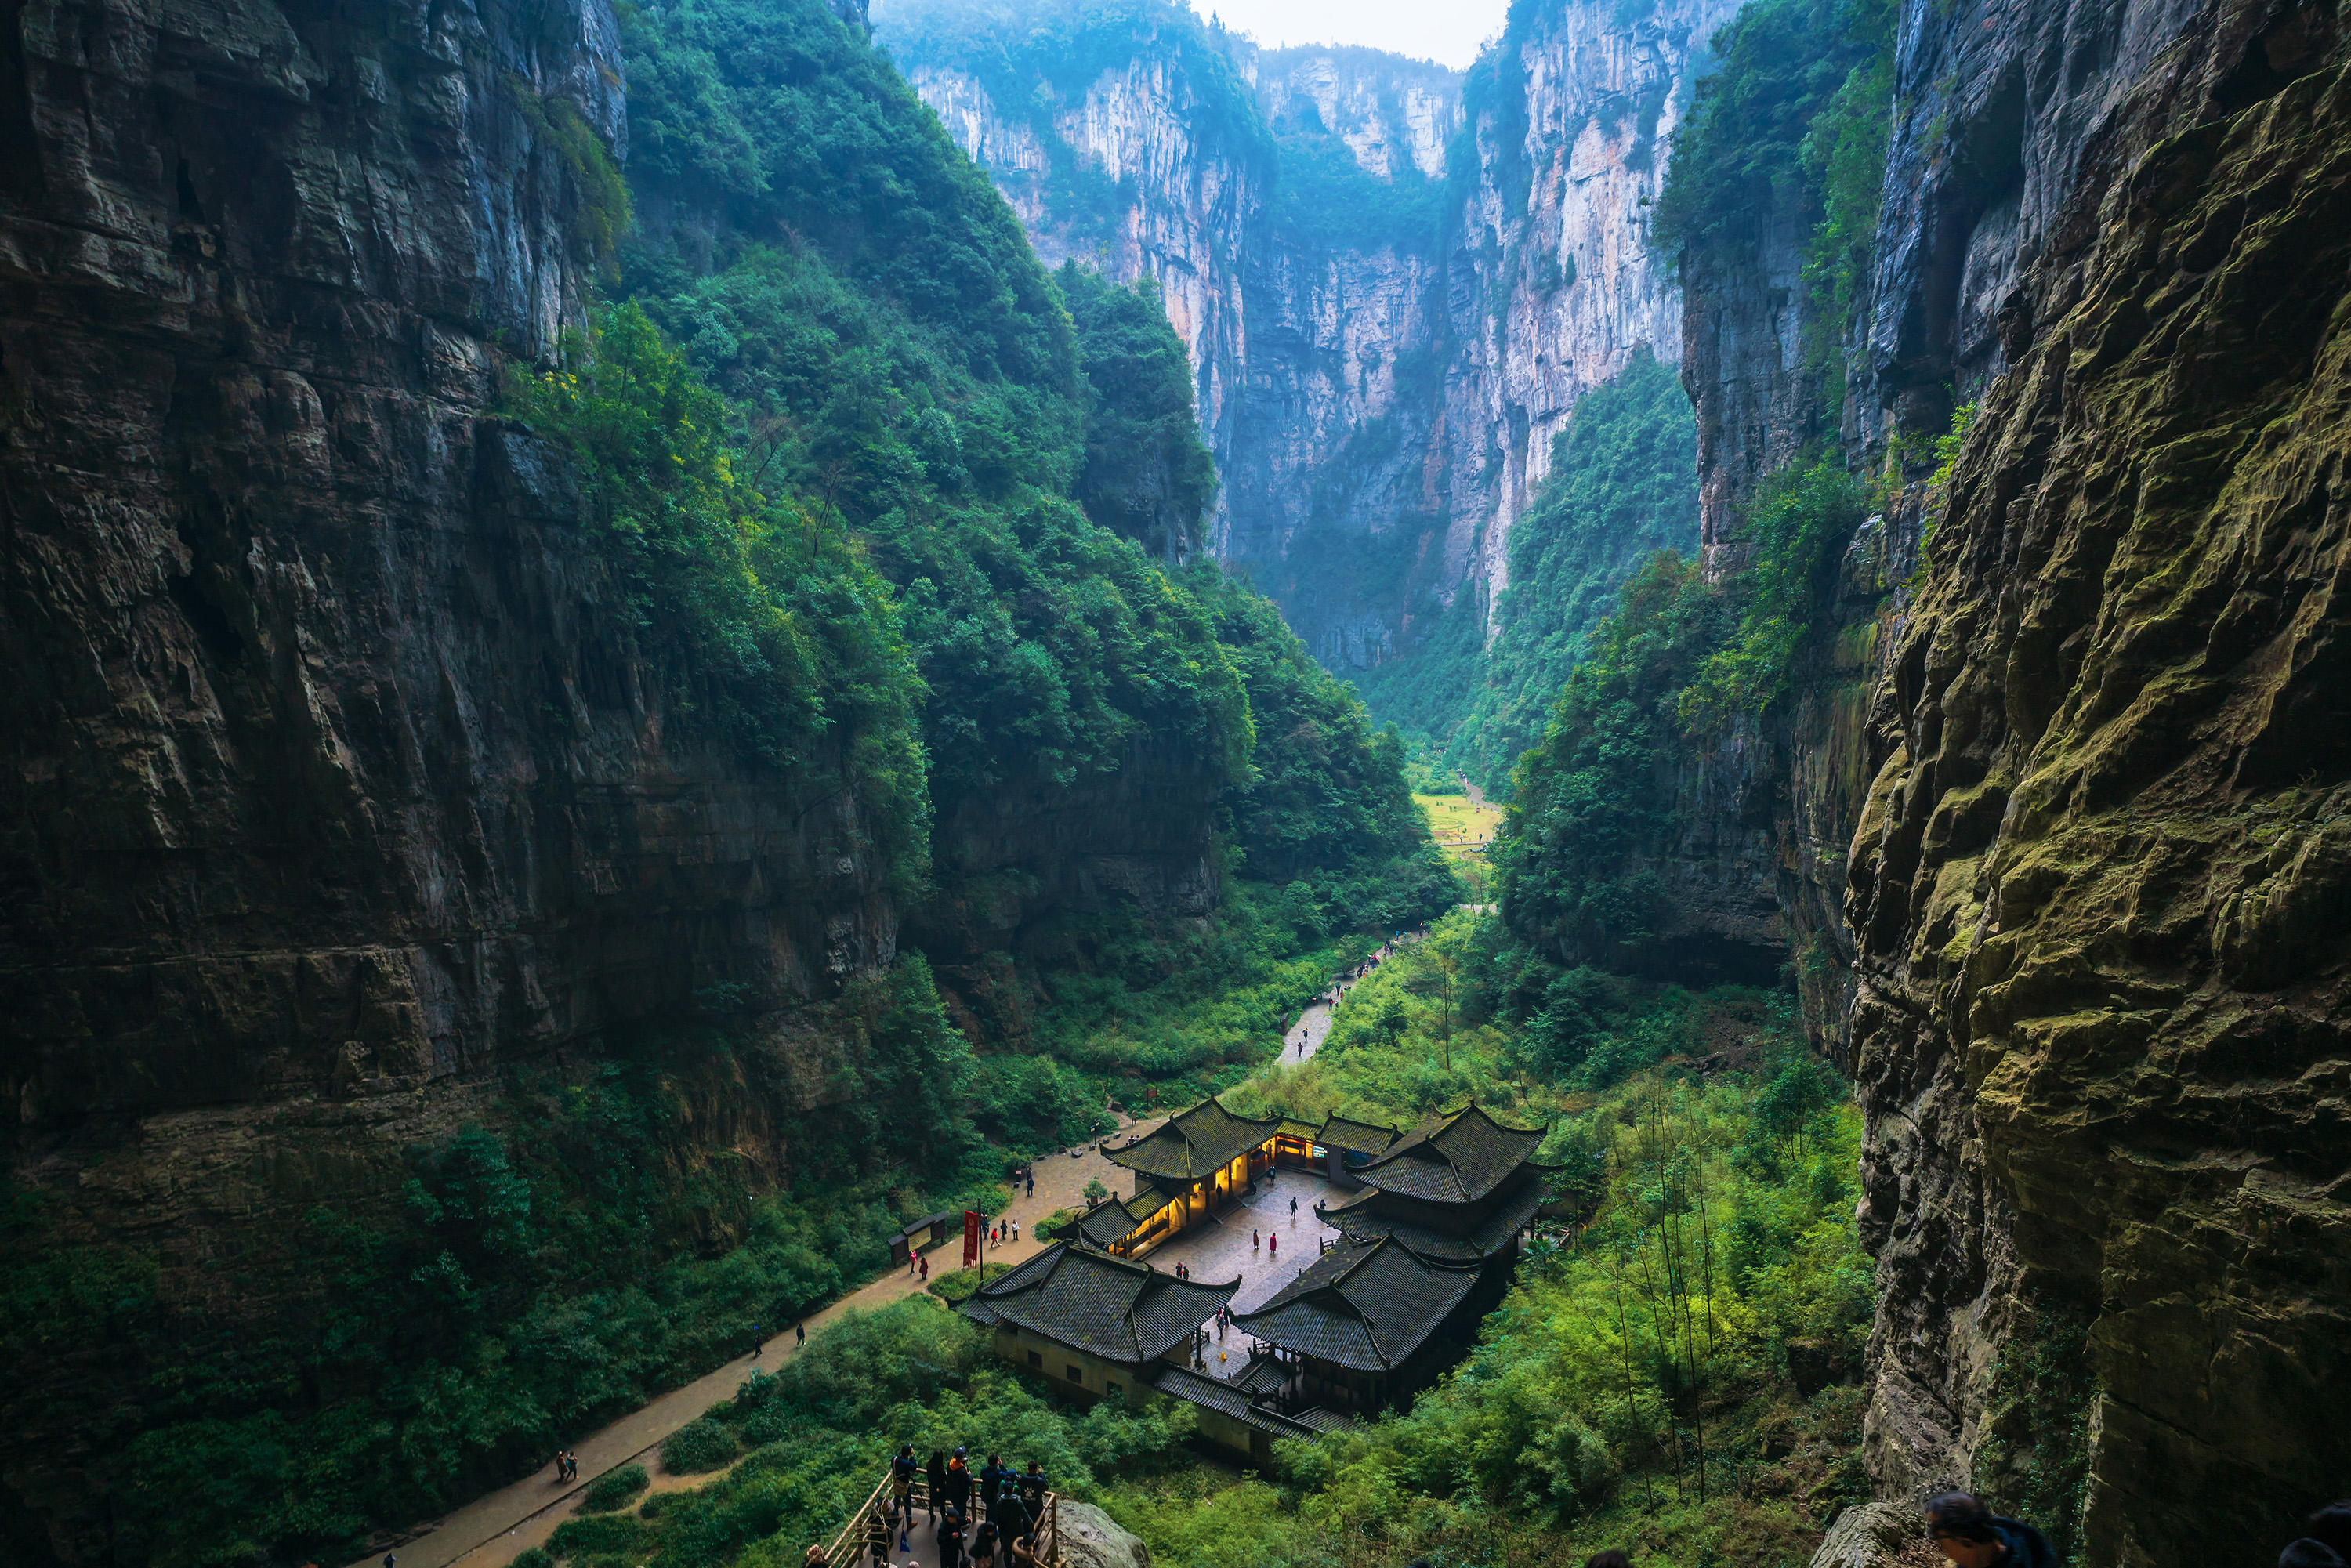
[[1177, 1382], [1263, 1374], [1358, 1137], [1457, 1158], [1361, 1218], [1105, 1223], [1324, 1420], [1104, 1305], [1365, 1306], [1193, 1144]]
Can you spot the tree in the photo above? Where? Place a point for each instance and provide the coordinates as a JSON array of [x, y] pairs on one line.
[[1442, 967]]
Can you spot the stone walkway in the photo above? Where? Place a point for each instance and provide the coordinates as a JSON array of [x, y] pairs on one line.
[[1215, 1252]]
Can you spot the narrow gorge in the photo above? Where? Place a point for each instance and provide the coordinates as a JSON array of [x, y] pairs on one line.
[[652, 642]]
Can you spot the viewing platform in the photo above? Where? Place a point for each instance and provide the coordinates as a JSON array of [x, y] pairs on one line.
[[853, 1543]]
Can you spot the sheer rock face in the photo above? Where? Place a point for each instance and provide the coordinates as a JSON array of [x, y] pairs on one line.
[[333, 776], [1549, 293], [2090, 755], [331, 755], [2101, 884], [1399, 400]]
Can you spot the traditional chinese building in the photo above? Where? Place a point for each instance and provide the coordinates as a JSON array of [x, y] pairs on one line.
[[1098, 1326], [1101, 1327], [1195, 1163], [1187, 1168], [1427, 1248], [1459, 1187]]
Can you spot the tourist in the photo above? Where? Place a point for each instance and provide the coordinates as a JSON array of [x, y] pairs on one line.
[[1032, 1490], [951, 1538], [757, 1344], [991, 1484], [983, 1544], [1254, 1243], [2308, 1553], [1016, 1233], [877, 1539], [1973, 1536], [799, 1331], [1022, 1556], [936, 1472], [902, 1489], [1272, 1242], [814, 1557], [927, 1270], [958, 1482], [1293, 1208], [2331, 1526]]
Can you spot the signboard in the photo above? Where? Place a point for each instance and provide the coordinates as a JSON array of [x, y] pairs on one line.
[[971, 1238]]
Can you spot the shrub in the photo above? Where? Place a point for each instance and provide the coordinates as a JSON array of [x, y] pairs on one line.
[[698, 1445], [614, 1489], [960, 1285], [597, 1535]]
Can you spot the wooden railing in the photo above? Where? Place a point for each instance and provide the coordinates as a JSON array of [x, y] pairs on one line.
[[849, 1547]]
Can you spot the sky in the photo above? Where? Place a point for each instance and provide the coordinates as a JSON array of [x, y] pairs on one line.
[[1446, 31]]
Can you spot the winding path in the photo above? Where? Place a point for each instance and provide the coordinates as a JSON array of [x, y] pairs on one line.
[[492, 1530]]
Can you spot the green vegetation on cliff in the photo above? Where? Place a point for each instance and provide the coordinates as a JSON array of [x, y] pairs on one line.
[[1621, 485], [891, 508], [1146, 473], [1596, 791], [575, 1249], [1792, 129], [1600, 796]]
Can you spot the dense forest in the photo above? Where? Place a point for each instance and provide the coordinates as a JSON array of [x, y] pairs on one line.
[[898, 513]]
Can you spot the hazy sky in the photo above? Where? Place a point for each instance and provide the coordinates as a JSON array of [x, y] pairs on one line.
[[1447, 31]]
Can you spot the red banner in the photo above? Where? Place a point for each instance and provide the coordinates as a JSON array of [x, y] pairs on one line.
[[971, 1238]]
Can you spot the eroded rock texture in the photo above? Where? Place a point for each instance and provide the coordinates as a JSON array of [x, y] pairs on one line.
[[332, 774], [2100, 891], [332, 757]]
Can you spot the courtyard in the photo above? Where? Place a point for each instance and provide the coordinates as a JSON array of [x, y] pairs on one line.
[[1215, 1252]]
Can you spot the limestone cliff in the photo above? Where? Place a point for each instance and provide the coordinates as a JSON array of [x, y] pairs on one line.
[[1381, 399], [342, 780], [2099, 890], [1551, 280], [334, 775], [2095, 1013]]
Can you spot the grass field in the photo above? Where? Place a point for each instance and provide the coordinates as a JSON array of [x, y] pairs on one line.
[[1461, 827]]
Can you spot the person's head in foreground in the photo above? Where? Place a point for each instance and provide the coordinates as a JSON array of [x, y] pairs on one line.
[[1964, 1528]]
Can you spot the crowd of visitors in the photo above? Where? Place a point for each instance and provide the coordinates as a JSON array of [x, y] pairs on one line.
[[985, 1521]]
